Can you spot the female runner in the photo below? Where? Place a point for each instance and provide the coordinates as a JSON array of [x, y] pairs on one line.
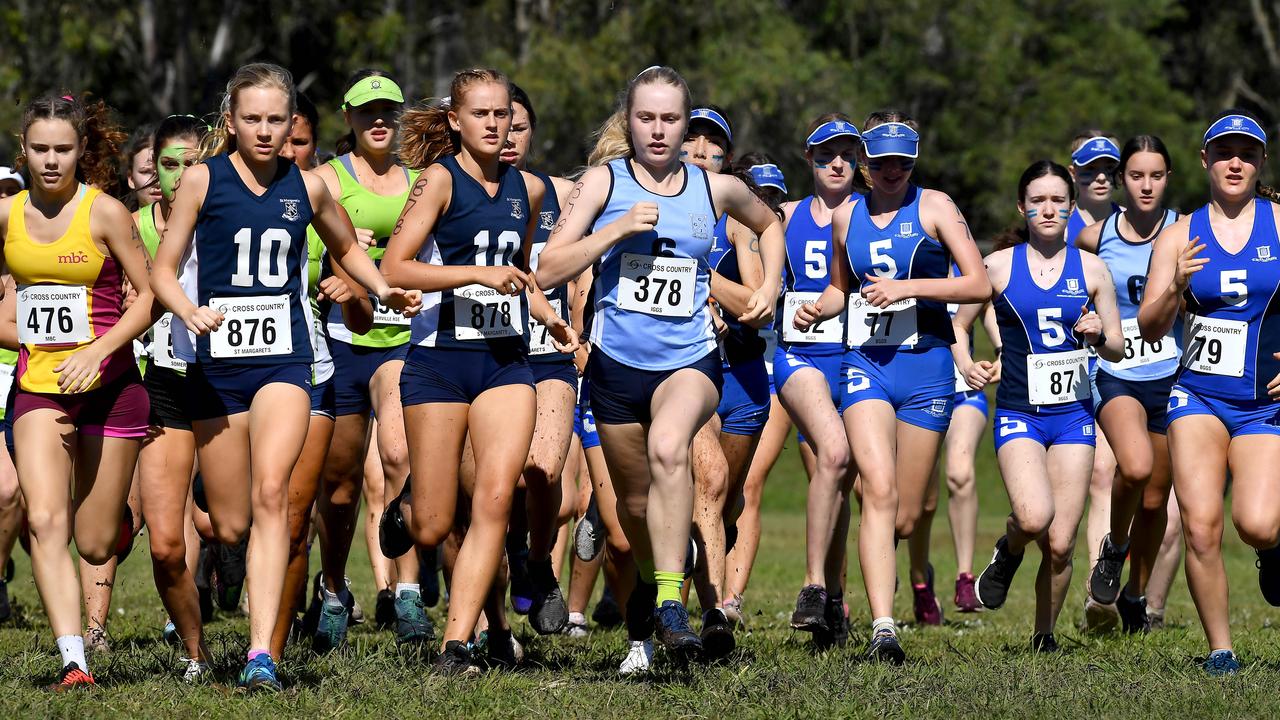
[[655, 369], [893, 251], [1134, 392], [249, 349], [80, 411], [1222, 414], [1044, 422], [463, 238]]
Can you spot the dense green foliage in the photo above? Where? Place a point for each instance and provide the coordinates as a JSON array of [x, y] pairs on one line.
[[995, 83]]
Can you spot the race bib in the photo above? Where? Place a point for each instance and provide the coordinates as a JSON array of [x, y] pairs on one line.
[[540, 340], [1139, 352], [162, 344], [1056, 378], [480, 312], [53, 314], [962, 385], [257, 326], [827, 331], [6, 384], [870, 326], [383, 315], [1215, 346], [657, 285]]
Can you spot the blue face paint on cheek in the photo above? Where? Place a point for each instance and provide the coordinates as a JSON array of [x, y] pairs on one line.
[[1031, 214], [821, 166], [908, 165], [1064, 214]]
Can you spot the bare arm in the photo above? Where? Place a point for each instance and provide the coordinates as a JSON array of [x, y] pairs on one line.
[[747, 208], [1173, 261], [1106, 308], [736, 297], [179, 231], [1089, 238], [832, 301], [570, 250], [940, 214]]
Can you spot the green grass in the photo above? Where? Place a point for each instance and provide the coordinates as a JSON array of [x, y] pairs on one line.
[[975, 666]]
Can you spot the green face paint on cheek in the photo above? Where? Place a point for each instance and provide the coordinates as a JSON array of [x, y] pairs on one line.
[[169, 175]]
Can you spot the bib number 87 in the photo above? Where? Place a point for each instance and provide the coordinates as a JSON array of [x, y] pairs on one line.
[[672, 288], [253, 330], [1060, 381]]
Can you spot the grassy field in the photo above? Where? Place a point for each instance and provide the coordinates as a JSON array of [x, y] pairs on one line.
[[974, 666]]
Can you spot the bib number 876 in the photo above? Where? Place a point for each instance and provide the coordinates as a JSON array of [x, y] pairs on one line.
[[241, 330]]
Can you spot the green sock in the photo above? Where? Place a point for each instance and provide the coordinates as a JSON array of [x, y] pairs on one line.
[[669, 584], [645, 568]]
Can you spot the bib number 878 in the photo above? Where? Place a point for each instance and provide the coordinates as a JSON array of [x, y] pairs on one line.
[[496, 310]]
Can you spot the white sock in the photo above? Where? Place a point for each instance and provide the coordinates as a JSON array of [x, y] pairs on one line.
[[401, 587], [72, 649], [577, 618], [330, 599], [883, 623]]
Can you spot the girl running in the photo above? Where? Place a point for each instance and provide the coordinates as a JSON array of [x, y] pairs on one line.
[[1134, 392], [655, 371], [1044, 423], [249, 348], [806, 374], [893, 251], [80, 411], [464, 238], [1222, 414]]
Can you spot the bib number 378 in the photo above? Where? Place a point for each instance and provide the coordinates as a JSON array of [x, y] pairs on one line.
[[255, 326], [657, 285]]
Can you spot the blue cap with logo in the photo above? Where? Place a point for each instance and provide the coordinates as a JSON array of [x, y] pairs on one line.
[[1095, 148], [713, 117], [1235, 125], [892, 138], [768, 175], [831, 130]]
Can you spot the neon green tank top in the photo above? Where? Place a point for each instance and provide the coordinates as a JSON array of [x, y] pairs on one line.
[[147, 227], [322, 362], [378, 213], [8, 360]]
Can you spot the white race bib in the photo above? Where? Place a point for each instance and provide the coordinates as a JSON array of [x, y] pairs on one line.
[[1056, 378], [480, 312], [962, 385], [1139, 352], [254, 326], [162, 344], [540, 340], [6, 384], [1215, 346], [827, 331], [870, 326], [383, 315], [657, 285], [53, 314]]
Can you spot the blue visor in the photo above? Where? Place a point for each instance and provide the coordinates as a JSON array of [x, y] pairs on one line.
[[892, 138], [768, 176], [1235, 125], [713, 117], [1096, 148], [829, 131]]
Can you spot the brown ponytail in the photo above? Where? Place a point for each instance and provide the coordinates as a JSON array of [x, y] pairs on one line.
[[95, 124], [425, 135], [1267, 192]]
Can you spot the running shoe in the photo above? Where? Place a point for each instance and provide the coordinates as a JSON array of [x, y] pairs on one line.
[[577, 627], [992, 587], [589, 533], [672, 622], [1044, 643], [96, 640], [810, 614], [260, 674], [717, 634], [1269, 575], [521, 583], [1221, 662], [884, 647], [229, 572], [196, 671], [733, 611], [1155, 618], [966, 599], [384, 609], [72, 678], [170, 633], [928, 609], [1133, 614], [455, 660], [331, 624], [501, 648], [1104, 581], [1100, 619], [607, 614], [837, 632], [6, 608], [357, 612], [640, 604], [429, 576], [639, 658], [412, 623], [547, 613]]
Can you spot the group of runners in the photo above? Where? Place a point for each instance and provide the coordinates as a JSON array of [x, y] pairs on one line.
[[481, 355]]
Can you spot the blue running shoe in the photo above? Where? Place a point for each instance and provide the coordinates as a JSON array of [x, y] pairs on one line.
[[671, 620], [260, 674], [412, 623], [885, 648], [331, 625], [1222, 662]]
